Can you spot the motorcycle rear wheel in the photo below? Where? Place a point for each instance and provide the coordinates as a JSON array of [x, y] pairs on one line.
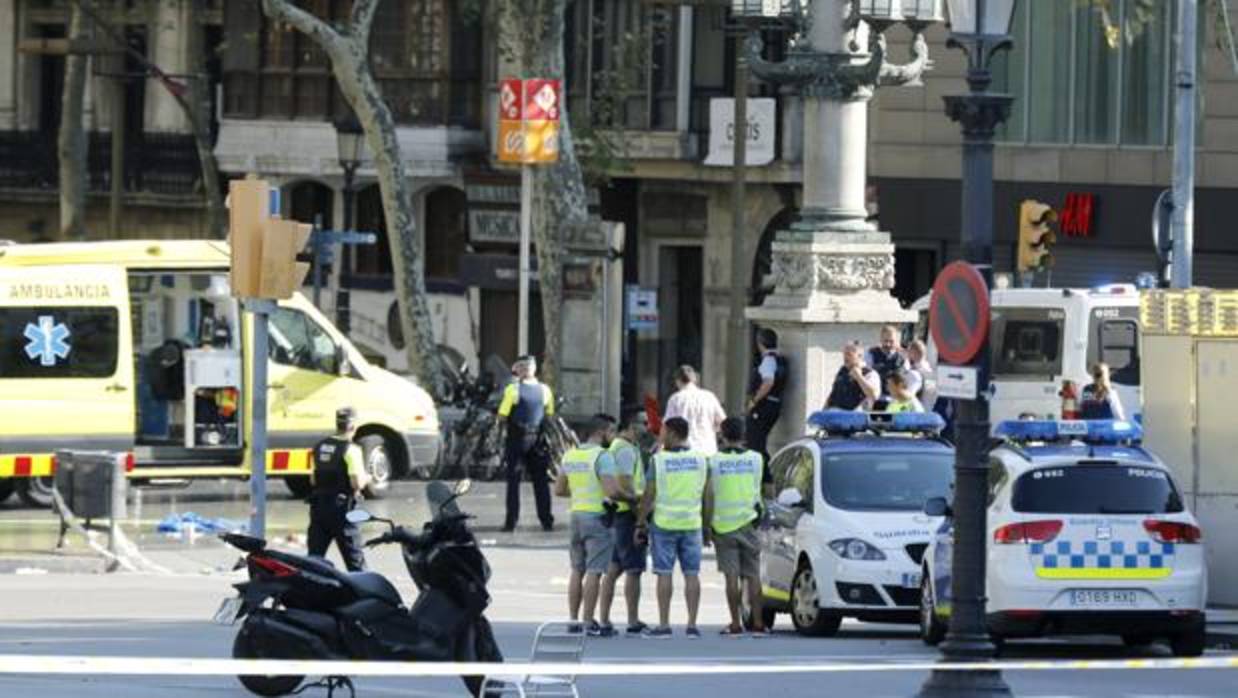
[[242, 648], [485, 649]]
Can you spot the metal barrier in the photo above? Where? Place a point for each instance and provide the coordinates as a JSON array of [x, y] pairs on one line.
[[90, 485]]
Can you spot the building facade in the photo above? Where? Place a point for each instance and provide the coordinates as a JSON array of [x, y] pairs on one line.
[[1091, 135]]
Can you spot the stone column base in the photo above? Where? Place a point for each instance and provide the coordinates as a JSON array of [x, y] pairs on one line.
[[830, 289]]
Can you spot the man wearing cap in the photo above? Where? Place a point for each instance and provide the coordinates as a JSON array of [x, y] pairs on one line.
[[526, 403], [338, 477]]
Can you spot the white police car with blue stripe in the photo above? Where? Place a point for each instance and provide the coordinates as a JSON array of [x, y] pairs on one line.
[[846, 531], [1087, 535]]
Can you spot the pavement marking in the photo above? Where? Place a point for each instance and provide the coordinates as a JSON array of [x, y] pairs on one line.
[[176, 666]]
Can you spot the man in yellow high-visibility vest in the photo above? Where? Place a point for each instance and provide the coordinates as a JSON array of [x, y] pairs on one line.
[[732, 503], [587, 476], [630, 553], [674, 496]]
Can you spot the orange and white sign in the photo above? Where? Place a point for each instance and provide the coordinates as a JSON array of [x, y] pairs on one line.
[[529, 120]]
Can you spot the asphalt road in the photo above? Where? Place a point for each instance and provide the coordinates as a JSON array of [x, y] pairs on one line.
[[167, 615]]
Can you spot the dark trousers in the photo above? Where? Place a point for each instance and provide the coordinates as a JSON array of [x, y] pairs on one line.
[[327, 523], [760, 422], [517, 460]]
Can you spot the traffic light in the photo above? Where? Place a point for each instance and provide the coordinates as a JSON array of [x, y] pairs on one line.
[[1036, 237], [265, 249]]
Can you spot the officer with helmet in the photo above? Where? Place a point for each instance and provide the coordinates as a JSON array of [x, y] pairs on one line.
[[338, 477]]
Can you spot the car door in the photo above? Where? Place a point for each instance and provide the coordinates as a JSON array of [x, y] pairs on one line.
[[66, 364], [779, 560], [304, 379]]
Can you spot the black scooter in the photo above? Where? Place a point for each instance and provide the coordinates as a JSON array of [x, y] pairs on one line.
[[299, 607]]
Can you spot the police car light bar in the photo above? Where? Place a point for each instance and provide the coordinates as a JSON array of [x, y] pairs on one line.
[[844, 422], [1093, 431]]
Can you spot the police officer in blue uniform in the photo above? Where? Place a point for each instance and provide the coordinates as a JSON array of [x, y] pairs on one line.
[[526, 404], [339, 476], [765, 388]]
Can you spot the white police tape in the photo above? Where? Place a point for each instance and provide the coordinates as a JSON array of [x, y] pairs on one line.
[[187, 666]]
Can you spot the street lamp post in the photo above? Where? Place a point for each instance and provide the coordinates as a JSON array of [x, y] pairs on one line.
[[980, 28], [349, 140]]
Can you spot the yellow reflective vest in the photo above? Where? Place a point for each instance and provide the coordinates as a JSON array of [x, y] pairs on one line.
[[580, 465], [736, 481], [680, 480]]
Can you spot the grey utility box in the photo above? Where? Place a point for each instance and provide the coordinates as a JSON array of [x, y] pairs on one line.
[[87, 481]]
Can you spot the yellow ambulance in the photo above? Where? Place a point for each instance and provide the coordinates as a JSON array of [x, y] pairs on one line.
[[138, 347]]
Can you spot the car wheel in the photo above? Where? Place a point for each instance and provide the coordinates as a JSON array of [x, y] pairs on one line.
[[299, 485], [6, 488], [36, 492], [932, 630], [1190, 643], [377, 463], [807, 616]]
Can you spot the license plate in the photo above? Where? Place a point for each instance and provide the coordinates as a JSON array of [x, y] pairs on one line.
[[911, 580], [1104, 598], [229, 610]]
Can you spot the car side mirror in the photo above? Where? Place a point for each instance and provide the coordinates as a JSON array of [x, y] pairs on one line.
[[342, 364], [938, 506], [791, 499], [358, 516]]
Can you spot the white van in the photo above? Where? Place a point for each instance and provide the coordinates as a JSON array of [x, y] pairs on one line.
[[1042, 336]]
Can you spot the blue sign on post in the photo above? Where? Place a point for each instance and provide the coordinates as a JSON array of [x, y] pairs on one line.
[[321, 242]]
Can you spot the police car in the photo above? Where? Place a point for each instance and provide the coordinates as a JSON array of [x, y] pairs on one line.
[[1087, 534], [845, 533]]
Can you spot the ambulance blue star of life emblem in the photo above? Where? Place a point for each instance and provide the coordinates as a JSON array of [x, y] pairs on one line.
[[47, 341]]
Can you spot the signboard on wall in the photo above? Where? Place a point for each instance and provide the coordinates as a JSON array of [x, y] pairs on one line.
[[488, 225], [642, 308], [529, 120], [762, 117]]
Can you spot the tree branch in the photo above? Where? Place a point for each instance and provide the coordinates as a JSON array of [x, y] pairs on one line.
[[362, 19], [304, 22]]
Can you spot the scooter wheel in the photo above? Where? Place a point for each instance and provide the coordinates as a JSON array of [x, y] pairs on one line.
[[243, 648]]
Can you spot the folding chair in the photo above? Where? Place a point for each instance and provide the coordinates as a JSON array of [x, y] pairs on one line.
[[557, 642]]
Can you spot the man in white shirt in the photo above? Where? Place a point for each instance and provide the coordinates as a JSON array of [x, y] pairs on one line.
[[699, 408]]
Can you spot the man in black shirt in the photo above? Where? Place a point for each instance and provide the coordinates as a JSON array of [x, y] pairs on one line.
[[339, 476], [887, 358], [765, 388], [856, 386]]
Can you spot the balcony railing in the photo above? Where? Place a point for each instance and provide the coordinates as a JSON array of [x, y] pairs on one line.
[[155, 163]]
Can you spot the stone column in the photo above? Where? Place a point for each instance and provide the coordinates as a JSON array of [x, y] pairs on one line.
[[169, 45], [832, 270]]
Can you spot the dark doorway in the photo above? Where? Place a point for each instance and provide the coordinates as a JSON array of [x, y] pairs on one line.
[[681, 321], [914, 272], [446, 233], [499, 313]]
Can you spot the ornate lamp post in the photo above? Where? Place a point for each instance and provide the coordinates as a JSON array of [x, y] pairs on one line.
[[832, 271], [349, 143], [980, 28]]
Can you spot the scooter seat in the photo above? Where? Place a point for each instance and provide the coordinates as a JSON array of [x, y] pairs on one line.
[[372, 585]]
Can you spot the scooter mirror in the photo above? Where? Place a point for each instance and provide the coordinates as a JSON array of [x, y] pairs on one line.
[[463, 486], [358, 516]]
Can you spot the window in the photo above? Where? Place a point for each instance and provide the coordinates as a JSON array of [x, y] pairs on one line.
[[58, 342], [793, 469], [1107, 488], [298, 342], [879, 481], [423, 54], [997, 478], [1027, 343], [1119, 348], [1074, 85]]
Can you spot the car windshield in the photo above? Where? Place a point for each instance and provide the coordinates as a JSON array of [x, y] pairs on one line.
[[880, 481], [1096, 489]]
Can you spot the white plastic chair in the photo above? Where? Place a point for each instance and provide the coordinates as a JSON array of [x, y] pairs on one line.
[[557, 642]]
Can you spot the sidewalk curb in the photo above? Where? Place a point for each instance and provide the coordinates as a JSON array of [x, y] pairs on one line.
[[52, 564]]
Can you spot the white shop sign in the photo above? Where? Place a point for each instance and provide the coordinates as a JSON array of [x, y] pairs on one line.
[[762, 116]]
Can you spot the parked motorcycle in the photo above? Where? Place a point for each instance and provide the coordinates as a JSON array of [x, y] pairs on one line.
[[472, 444], [297, 607]]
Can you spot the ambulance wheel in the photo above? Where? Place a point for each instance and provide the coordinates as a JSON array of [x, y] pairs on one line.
[[299, 485], [932, 630], [378, 464], [36, 492], [1190, 643], [807, 616], [6, 489], [1136, 641]]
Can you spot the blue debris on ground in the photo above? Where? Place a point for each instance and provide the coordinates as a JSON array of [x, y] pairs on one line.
[[176, 524]]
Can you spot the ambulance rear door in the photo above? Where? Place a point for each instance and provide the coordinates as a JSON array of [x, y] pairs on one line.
[[66, 364]]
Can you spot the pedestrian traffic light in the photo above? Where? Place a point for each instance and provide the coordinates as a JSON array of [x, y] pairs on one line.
[[1036, 236], [265, 248]]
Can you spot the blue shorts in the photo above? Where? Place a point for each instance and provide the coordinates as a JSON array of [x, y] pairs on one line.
[[669, 546], [629, 555]]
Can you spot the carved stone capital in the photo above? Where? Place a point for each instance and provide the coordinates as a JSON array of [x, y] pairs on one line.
[[796, 272], [979, 113]]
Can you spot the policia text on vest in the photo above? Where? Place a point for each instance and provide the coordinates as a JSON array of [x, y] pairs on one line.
[[339, 477]]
